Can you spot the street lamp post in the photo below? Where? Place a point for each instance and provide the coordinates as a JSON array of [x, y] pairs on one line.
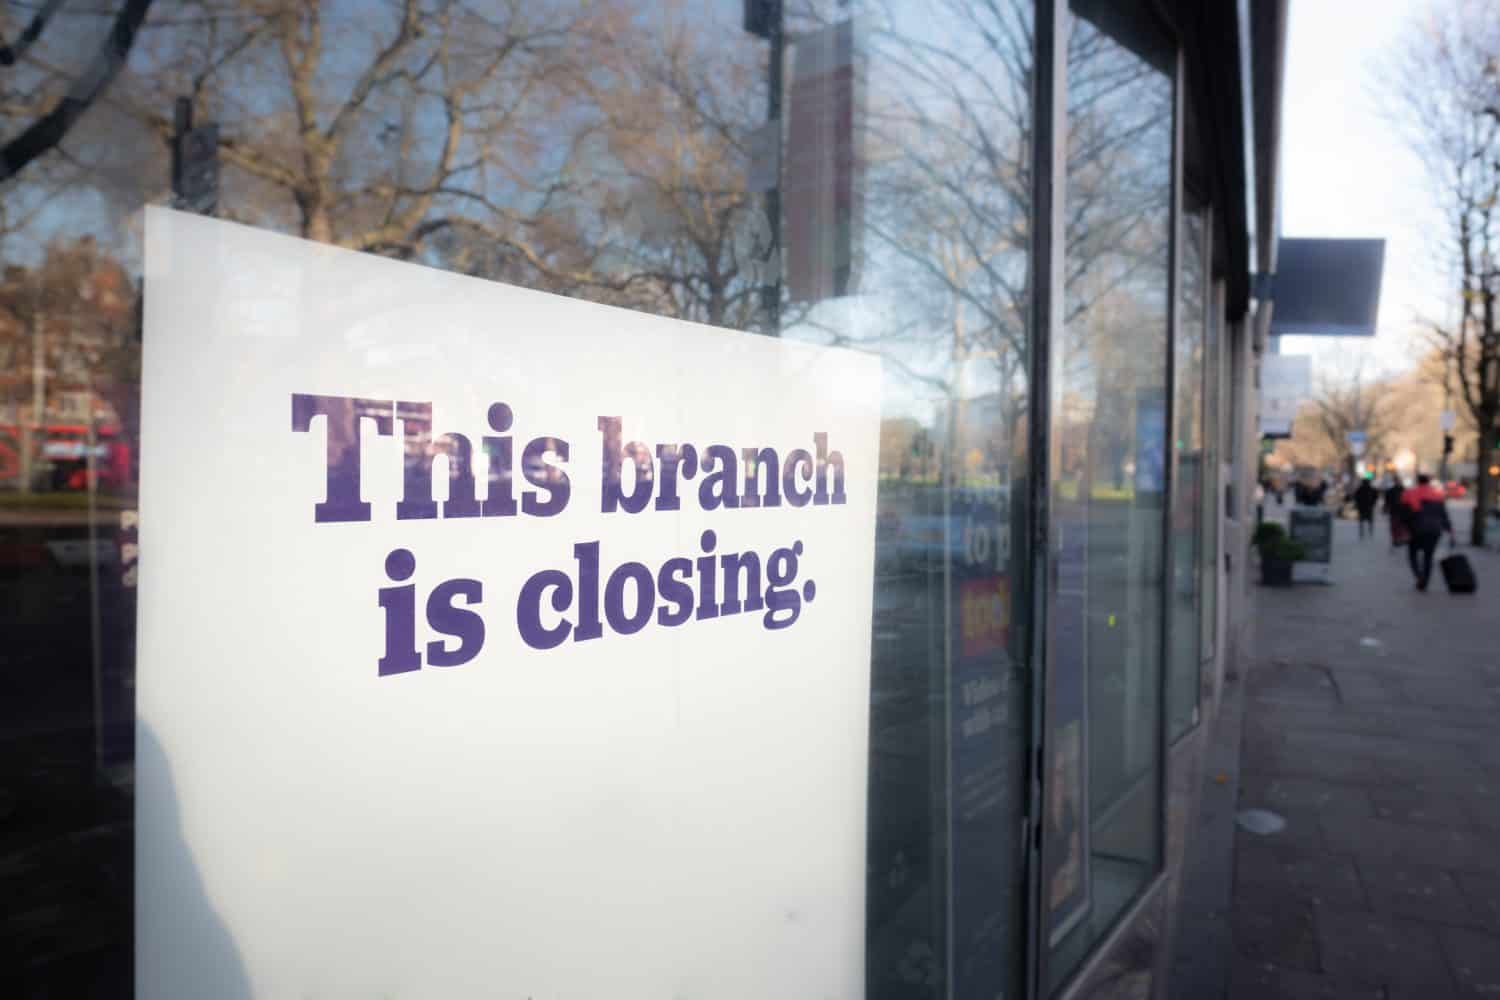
[[1445, 419]]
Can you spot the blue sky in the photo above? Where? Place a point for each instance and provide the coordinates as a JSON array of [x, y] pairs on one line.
[[1345, 173]]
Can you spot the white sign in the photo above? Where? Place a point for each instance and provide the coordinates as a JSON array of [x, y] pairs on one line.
[[492, 643], [1285, 384], [1447, 419]]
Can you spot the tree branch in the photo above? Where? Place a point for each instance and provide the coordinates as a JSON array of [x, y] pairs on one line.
[[49, 130]]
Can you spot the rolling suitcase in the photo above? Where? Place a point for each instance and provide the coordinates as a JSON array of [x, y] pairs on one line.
[[1458, 574]]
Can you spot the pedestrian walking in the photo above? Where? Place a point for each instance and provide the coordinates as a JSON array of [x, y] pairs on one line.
[[1366, 496], [1427, 516], [1394, 511]]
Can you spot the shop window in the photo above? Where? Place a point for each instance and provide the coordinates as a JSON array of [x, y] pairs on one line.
[[1212, 511], [1110, 441], [944, 297], [1190, 473], [610, 152]]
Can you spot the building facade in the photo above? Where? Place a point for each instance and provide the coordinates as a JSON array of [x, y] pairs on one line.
[[1010, 247]]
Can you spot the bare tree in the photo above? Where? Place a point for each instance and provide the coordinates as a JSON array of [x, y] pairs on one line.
[[1418, 398], [1444, 84], [1347, 405]]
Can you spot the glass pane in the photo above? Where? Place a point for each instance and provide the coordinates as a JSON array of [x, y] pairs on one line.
[[613, 152], [944, 300], [1212, 382], [1184, 626], [1109, 487]]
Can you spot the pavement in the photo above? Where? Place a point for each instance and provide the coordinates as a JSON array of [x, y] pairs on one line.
[[1371, 724]]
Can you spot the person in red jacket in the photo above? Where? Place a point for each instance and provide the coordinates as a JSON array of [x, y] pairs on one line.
[[1427, 516]]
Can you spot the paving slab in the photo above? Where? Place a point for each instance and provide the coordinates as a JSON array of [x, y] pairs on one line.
[[1411, 843], [1254, 980], [1275, 927], [1417, 805], [1483, 809], [1417, 891], [1369, 948], [1482, 893], [1315, 876], [1475, 959]]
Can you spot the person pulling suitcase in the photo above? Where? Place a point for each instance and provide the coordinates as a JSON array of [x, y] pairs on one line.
[[1396, 512], [1365, 497], [1426, 511]]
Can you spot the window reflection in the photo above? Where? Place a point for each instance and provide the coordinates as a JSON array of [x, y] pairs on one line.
[[1210, 492], [944, 298], [1184, 627], [599, 150], [1109, 479]]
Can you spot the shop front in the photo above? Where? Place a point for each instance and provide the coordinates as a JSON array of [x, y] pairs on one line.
[[576, 499]]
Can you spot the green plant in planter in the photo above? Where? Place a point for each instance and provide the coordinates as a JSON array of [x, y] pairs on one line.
[[1277, 554], [1285, 550], [1267, 533]]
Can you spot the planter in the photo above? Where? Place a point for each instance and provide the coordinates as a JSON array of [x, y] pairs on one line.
[[1276, 572]]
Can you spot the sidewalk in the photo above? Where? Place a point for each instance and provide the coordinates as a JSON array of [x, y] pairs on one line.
[[1372, 725]]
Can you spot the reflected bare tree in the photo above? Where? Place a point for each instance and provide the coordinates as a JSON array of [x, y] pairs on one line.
[[1116, 243], [677, 101], [392, 127], [949, 145], [48, 97]]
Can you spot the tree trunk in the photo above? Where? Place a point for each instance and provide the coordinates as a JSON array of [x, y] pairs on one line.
[[317, 225], [1484, 487]]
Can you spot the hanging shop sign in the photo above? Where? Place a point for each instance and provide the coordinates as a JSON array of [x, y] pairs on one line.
[[492, 642], [1285, 384], [1327, 287]]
